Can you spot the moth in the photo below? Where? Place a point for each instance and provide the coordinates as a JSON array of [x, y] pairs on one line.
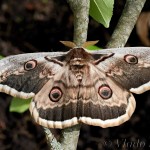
[[78, 86]]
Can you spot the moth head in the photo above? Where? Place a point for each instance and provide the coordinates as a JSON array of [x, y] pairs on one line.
[[73, 45]]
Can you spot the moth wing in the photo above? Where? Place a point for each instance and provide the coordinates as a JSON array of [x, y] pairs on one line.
[[57, 114], [84, 103], [24, 75], [134, 76], [105, 103]]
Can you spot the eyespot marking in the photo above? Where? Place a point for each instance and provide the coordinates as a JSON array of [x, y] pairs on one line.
[[131, 59], [105, 91], [55, 94], [29, 65]]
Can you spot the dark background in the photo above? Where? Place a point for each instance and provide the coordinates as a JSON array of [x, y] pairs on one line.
[[38, 25]]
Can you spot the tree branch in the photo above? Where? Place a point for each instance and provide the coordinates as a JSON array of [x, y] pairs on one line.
[[126, 23], [51, 140], [80, 10], [69, 136]]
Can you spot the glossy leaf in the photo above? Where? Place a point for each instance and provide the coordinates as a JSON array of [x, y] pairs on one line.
[[93, 47], [19, 105], [101, 11]]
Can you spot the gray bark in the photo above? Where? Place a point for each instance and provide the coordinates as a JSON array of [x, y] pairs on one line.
[[126, 23], [80, 10]]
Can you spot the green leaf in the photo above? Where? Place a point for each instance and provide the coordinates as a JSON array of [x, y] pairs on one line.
[[101, 11], [1, 57], [93, 47], [19, 105]]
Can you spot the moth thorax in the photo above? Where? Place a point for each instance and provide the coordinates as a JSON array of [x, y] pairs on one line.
[[79, 76], [77, 64], [78, 71], [78, 67]]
